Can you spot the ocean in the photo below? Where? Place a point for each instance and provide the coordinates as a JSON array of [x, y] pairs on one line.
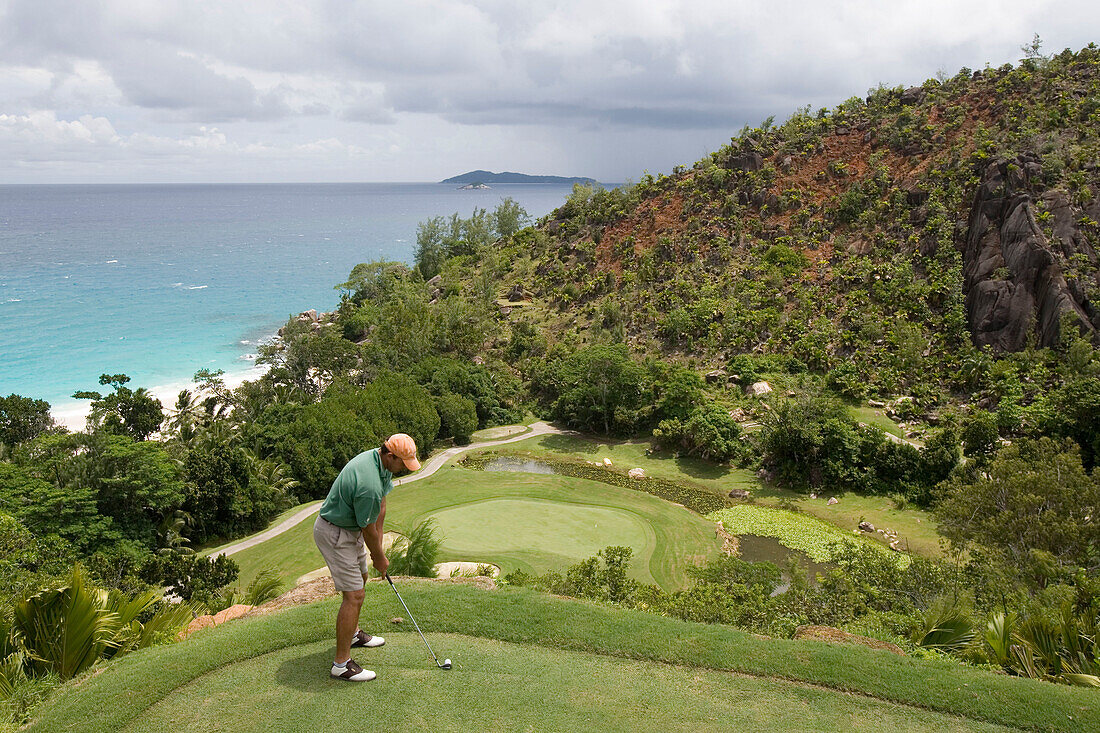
[[159, 281]]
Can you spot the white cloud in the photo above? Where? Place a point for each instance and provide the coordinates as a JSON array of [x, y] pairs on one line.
[[43, 128]]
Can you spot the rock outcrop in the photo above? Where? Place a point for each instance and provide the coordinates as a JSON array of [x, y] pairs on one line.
[[217, 619], [1013, 275], [758, 389]]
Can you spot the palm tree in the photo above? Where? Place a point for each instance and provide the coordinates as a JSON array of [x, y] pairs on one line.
[[170, 533], [185, 415]]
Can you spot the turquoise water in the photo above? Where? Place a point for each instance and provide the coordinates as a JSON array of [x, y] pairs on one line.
[[160, 281]]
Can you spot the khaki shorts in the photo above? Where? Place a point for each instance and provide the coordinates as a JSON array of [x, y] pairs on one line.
[[345, 553]]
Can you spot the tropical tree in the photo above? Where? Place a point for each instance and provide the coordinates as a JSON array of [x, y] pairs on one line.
[[429, 253], [23, 418], [598, 388], [457, 417], [125, 411], [709, 433], [509, 217], [1033, 503]]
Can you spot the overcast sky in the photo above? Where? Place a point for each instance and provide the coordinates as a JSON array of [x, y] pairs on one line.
[[418, 90]]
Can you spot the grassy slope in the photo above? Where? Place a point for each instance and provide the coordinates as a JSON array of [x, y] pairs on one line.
[[916, 528], [666, 538], [292, 552], [297, 641], [204, 551], [877, 418]]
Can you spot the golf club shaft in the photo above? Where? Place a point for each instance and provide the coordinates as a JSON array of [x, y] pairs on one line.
[[434, 657]]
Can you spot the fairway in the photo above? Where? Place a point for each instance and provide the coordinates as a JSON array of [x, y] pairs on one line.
[[491, 688], [537, 528], [518, 521]]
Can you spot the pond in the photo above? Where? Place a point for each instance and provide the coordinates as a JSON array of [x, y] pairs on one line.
[[768, 549], [521, 465]]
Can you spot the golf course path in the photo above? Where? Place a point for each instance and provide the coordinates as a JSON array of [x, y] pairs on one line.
[[429, 467]]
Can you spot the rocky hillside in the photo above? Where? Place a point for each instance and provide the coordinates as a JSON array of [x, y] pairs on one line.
[[898, 233]]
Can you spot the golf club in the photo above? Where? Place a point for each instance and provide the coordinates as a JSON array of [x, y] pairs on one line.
[[446, 663]]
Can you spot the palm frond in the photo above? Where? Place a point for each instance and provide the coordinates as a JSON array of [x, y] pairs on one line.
[[998, 636], [165, 623], [267, 585], [65, 630], [945, 626], [417, 552]]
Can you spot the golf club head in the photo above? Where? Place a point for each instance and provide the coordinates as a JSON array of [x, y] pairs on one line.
[[446, 664]]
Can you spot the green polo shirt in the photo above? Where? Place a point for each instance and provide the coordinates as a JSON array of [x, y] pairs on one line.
[[355, 498]]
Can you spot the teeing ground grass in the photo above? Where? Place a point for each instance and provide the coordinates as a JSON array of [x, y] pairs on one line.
[[530, 661], [491, 690], [529, 522]]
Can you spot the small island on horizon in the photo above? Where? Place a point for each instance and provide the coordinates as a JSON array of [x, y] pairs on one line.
[[480, 178]]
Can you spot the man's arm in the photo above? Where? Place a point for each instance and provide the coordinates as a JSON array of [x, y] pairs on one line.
[[372, 535]]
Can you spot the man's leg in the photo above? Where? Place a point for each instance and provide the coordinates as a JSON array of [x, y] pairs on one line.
[[347, 623]]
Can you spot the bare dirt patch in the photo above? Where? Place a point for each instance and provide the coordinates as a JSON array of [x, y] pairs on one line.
[[836, 636]]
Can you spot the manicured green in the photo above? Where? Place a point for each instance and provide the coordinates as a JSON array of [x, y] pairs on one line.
[[211, 676], [797, 531], [666, 539], [540, 532]]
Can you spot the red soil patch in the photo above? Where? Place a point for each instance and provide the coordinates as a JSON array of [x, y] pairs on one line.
[[663, 215], [652, 219]]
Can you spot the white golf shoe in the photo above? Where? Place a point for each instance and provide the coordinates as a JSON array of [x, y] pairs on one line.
[[363, 639], [352, 672]]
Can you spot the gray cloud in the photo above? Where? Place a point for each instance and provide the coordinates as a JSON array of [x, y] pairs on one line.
[[577, 77], [152, 78]]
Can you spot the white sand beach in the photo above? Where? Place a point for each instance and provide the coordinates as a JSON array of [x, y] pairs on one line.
[[73, 413]]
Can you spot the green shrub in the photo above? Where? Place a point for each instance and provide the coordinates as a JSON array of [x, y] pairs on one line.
[[850, 205], [457, 417], [417, 552], [785, 258], [980, 436], [709, 433]]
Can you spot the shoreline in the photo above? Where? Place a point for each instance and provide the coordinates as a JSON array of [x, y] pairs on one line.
[[73, 414]]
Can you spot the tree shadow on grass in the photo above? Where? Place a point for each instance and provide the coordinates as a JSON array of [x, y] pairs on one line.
[[569, 444], [309, 672], [701, 470]]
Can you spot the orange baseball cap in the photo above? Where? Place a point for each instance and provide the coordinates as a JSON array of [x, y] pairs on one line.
[[404, 447]]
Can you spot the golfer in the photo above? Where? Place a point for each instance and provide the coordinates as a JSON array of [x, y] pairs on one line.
[[349, 526]]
